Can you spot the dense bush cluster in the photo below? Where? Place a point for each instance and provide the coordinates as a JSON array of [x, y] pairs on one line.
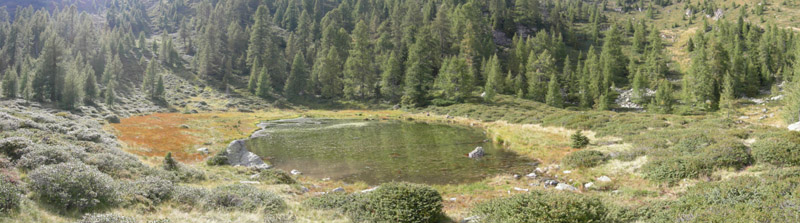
[[780, 149], [274, 176], [72, 186], [672, 169], [390, 202], [153, 188], [13, 146], [583, 159], [770, 197], [579, 140], [245, 198], [727, 154], [544, 207], [106, 218], [10, 195], [41, 155]]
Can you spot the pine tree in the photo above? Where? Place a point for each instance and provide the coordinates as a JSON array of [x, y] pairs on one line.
[[149, 80], [392, 78], [112, 70], [49, 79], [662, 103], [727, 97], [255, 71], [142, 43], [10, 85], [539, 68], [169, 163], [159, 91], [330, 74], [791, 104], [612, 59], [298, 78], [264, 85], [419, 70], [639, 86], [454, 82], [494, 78], [553, 97], [70, 93], [109, 94], [359, 75]]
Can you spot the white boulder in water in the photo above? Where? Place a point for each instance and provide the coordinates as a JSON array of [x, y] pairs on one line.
[[477, 153], [238, 155]]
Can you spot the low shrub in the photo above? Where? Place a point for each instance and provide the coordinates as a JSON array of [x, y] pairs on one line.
[[72, 186], [583, 159], [13, 146], [245, 198], [274, 176], [218, 159], [579, 141], [727, 154], [329, 201], [542, 207], [778, 149], [397, 202], [114, 165], [770, 197], [691, 144], [106, 218], [189, 197], [10, 195], [672, 169], [41, 155], [153, 188]]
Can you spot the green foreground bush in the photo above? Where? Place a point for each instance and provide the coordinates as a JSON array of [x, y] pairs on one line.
[[542, 207], [780, 149], [72, 186], [10, 196], [391, 202], [583, 159], [727, 154], [244, 198], [673, 169]]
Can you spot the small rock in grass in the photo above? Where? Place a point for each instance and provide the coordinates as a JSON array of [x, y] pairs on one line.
[[563, 186], [531, 175], [588, 185], [203, 150], [521, 189], [477, 153], [338, 190], [295, 172], [604, 179]]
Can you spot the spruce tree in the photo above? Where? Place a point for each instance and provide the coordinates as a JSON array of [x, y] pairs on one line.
[[10, 85], [264, 85], [159, 91], [494, 78], [553, 97], [149, 80], [727, 96], [662, 103], [419, 70], [454, 82], [538, 70], [359, 76], [110, 96], [392, 78], [298, 78], [255, 71]]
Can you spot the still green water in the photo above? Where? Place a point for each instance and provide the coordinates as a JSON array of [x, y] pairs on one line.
[[382, 151]]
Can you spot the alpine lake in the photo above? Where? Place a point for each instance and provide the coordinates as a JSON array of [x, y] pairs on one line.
[[375, 152]]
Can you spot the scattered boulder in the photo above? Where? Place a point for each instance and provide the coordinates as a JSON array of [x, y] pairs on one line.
[[238, 155], [338, 190], [249, 182], [184, 126], [550, 182], [260, 133], [604, 179], [588, 185], [531, 175], [477, 153], [470, 219], [369, 190], [112, 119], [563, 186], [203, 150], [521, 189], [794, 126], [295, 172]]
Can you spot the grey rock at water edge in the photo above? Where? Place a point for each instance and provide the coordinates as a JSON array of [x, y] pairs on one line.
[[112, 119], [794, 126], [238, 155], [338, 190], [477, 153], [563, 186]]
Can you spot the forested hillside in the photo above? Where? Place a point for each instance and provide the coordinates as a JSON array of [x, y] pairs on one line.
[[580, 54], [684, 103]]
